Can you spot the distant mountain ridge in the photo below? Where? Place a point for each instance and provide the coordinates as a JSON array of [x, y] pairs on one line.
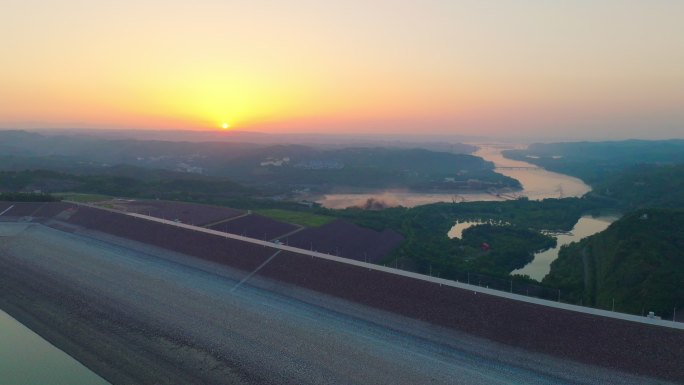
[[594, 161], [281, 168]]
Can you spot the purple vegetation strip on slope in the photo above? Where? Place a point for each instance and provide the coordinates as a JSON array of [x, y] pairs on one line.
[[33, 209], [347, 240], [190, 213], [54, 208], [255, 226], [636, 348], [241, 255], [5, 205], [23, 209]]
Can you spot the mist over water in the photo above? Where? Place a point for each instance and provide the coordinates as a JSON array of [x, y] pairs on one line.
[[393, 198], [537, 184]]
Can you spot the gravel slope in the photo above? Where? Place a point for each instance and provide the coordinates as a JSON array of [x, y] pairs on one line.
[[137, 314]]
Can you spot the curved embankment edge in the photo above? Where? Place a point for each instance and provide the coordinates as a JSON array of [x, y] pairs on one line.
[[623, 342]]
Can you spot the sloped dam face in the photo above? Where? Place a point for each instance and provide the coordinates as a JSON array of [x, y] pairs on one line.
[[139, 312]]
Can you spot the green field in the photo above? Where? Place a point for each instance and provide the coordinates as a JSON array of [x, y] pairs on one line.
[[296, 217]]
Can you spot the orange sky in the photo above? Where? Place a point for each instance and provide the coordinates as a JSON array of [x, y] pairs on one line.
[[527, 67]]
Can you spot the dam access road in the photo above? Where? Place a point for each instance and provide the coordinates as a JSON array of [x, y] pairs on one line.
[[137, 314]]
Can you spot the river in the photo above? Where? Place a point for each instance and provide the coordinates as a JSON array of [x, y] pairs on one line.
[[585, 226], [541, 264], [537, 184]]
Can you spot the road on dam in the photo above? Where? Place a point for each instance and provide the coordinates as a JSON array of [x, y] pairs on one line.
[[138, 314]]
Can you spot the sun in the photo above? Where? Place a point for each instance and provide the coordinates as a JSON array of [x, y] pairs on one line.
[[225, 126]]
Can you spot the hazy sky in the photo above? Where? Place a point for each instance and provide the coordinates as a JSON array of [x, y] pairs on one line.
[[594, 68]]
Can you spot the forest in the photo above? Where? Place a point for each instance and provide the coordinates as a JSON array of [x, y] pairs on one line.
[[635, 266]]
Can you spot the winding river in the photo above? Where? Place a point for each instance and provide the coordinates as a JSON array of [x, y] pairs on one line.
[[537, 184], [585, 226]]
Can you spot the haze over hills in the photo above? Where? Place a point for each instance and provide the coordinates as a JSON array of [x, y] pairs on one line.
[[596, 161], [276, 168], [450, 143]]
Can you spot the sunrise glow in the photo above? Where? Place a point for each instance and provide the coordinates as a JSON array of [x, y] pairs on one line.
[[447, 67]]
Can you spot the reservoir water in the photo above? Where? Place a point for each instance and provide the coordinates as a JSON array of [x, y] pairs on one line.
[[537, 184], [26, 358]]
